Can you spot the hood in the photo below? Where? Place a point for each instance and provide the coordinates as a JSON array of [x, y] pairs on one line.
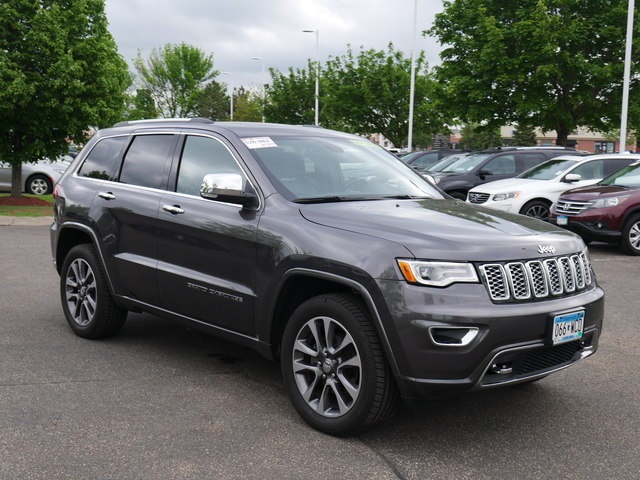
[[594, 191], [446, 229], [507, 185]]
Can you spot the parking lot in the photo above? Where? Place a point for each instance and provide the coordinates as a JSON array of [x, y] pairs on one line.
[[163, 401]]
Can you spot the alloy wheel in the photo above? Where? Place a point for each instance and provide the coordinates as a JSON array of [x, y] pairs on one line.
[[81, 292]]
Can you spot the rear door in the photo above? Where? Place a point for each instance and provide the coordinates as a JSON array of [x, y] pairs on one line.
[[206, 249]]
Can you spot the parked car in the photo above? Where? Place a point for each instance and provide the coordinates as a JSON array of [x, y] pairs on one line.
[[321, 250], [533, 192], [423, 159], [37, 178], [490, 165], [606, 212]]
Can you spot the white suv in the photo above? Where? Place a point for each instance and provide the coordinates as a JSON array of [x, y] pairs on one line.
[[533, 192]]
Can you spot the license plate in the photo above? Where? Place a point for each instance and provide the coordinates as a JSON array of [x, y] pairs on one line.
[[562, 220], [567, 327]]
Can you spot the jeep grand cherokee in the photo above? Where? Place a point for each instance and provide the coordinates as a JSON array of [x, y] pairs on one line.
[[322, 250]]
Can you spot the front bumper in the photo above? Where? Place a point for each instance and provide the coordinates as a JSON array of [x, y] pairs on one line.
[[511, 345], [591, 230]]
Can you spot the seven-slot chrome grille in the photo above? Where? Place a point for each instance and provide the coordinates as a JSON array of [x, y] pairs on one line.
[[537, 279]]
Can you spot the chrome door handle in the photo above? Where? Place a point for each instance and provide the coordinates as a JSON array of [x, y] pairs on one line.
[[107, 195], [174, 209]]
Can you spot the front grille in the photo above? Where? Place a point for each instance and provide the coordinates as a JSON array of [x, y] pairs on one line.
[[536, 279], [478, 197], [570, 207]]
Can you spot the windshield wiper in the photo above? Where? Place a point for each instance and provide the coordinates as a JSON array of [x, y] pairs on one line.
[[329, 199]]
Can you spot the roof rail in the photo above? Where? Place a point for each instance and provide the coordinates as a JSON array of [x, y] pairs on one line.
[[164, 120]]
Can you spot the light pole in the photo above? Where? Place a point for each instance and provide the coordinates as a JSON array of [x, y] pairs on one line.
[[263, 83], [627, 77], [317, 94], [412, 88], [230, 96]]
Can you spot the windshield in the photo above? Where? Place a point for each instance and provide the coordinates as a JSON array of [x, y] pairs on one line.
[[468, 163], [337, 169], [627, 177], [445, 162], [548, 170]]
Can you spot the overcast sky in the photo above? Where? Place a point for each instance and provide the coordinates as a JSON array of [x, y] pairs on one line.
[[234, 31]]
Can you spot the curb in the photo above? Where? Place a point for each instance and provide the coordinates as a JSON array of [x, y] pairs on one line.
[[10, 221]]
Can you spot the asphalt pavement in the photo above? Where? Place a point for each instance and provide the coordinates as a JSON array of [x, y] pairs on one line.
[[163, 401]]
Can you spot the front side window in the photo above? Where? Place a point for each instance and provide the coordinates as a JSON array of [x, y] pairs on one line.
[[548, 170], [203, 156], [102, 159], [145, 161], [502, 164]]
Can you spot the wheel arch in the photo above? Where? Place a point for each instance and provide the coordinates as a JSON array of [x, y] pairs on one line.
[[301, 284]]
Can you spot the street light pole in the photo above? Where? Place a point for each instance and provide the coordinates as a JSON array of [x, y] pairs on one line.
[[264, 93], [317, 62], [413, 77], [627, 78], [231, 89]]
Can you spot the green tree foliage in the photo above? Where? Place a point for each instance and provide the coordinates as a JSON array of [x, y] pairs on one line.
[[175, 76], [213, 102], [524, 136], [292, 96], [247, 105], [555, 64], [141, 106], [369, 93], [60, 72], [480, 137]]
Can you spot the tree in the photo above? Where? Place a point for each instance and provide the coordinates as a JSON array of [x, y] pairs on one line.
[[175, 76], [291, 96], [213, 102], [547, 63], [524, 136], [247, 105], [370, 94], [60, 72], [142, 106], [480, 137]]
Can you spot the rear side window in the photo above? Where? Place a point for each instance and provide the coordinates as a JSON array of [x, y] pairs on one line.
[[102, 160], [145, 161], [590, 170], [529, 160], [612, 165]]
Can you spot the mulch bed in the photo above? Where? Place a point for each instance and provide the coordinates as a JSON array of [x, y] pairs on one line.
[[23, 202]]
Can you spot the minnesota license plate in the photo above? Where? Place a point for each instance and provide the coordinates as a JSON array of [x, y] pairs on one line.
[[562, 220], [567, 327]]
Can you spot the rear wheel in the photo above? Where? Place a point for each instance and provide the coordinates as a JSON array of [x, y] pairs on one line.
[[86, 300], [39, 185], [334, 368], [536, 209], [631, 235]]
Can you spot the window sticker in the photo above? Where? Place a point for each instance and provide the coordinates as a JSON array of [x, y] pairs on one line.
[[259, 142]]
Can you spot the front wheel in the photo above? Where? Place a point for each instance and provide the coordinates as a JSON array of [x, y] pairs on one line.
[[631, 235], [334, 368], [536, 209], [86, 300]]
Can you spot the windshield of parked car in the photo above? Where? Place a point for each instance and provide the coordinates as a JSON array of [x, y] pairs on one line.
[[443, 163], [467, 163], [627, 177], [336, 169], [548, 170]]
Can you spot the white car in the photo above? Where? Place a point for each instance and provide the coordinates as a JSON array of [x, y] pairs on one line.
[[533, 192], [38, 178]]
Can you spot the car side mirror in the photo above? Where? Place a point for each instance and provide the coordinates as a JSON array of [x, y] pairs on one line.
[[572, 177], [484, 172], [228, 188]]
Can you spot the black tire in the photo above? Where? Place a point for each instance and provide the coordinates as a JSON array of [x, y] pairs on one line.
[[86, 300], [39, 184], [630, 241], [536, 209], [339, 391]]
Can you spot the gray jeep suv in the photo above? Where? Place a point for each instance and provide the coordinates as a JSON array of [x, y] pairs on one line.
[[322, 250]]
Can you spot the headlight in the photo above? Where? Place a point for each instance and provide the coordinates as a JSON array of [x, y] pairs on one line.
[[437, 274], [499, 197], [607, 202]]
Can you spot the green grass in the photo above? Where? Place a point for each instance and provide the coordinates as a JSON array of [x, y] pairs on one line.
[[28, 211]]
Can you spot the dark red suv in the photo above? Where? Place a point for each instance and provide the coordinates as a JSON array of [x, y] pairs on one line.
[[607, 212]]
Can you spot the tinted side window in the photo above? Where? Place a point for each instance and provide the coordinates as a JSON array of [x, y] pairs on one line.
[[612, 165], [145, 160], [425, 160], [501, 164], [590, 170], [202, 156], [529, 160], [101, 161]]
